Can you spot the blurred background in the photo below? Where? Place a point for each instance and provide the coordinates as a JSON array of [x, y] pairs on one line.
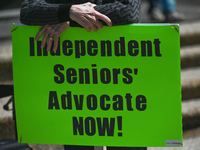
[[184, 12]]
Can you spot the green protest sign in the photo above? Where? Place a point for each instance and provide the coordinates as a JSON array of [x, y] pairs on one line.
[[119, 86]]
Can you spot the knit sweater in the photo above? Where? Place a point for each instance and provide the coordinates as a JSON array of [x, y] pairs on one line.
[[41, 12]]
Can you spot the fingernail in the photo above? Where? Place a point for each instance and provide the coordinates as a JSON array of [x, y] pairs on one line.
[[42, 46]]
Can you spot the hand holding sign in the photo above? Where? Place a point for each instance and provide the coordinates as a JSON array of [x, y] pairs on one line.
[[84, 14], [88, 17], [51, 31]]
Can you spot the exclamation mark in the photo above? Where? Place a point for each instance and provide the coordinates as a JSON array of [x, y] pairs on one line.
[[135, 71], [119, 121]]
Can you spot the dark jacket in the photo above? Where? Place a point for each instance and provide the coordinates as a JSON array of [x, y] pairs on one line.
[[42, 12]]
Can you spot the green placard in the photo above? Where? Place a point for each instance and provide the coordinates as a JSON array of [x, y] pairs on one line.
[[119, 86]]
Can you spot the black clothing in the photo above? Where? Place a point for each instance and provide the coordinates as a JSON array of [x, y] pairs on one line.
[[42, 12], [75, 147]]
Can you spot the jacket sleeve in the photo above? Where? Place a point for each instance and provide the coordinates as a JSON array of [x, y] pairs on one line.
[[121, 11], [41, 12]]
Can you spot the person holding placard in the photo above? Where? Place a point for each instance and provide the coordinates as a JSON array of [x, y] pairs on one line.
[[57, 15]]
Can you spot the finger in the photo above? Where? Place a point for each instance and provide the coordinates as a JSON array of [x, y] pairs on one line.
[[44, 40], [87, 28], [56, 39], [89, 4], [41, 31], [97, 23], [85, 24], [93, 5], [89, 22], [58, 29], [56, 34], [50, 41], [93, 27], [104, 18], [49, 31]]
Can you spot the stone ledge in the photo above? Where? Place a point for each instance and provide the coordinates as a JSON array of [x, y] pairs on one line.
[[5, 115], [190, 83], [7, 129], [190, 33], [190, 89], [191, 114], [190, 56], [9, 14]]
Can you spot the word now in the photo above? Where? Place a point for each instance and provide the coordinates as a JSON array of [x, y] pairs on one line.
[[90, 126]]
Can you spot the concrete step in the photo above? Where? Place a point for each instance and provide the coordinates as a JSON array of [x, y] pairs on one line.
[[190, 56], [191, 114], [9, 14], [7, 18], [190, 82], [6, 75], [7, 125], [5, 115], [190, 33]]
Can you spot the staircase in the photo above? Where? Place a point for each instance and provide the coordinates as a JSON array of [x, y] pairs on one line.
[[190, 74]]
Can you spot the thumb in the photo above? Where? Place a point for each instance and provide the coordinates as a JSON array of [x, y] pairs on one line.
[[103, 17]]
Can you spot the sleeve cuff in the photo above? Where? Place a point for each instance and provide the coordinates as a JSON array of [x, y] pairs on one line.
[[63, 12]]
